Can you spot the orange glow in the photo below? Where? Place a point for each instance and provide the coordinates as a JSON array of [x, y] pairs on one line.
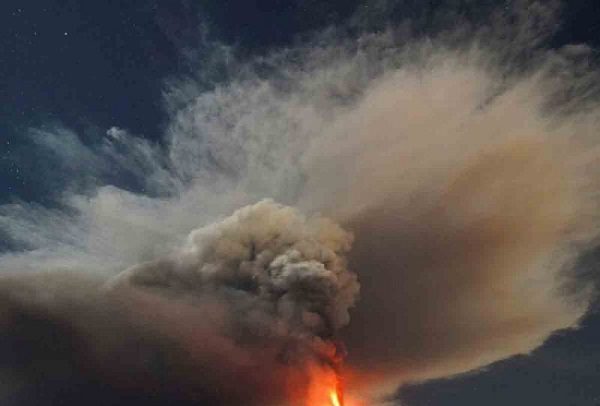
[[323, 387], [326, 388], [337, 386], [335, 400]]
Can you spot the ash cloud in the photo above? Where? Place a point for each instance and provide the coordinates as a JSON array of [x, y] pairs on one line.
[[273, 259], [239, 315], [463, 245], [464, 164]]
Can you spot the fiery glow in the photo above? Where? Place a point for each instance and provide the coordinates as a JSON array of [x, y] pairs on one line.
[[325, 388], [335, 399]]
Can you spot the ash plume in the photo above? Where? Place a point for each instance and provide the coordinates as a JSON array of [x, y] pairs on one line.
[[292, 267], [463, 246], [458, 171], [237, 316]]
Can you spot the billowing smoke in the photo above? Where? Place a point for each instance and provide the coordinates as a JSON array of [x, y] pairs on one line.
[[240, 315], [462, 170], [280, 279], [264, 257]]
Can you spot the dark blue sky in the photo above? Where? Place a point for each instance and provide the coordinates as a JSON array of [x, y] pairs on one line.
[[91, 65], [98, 64]]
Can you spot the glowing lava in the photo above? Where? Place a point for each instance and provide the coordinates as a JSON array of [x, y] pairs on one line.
[[335, 399], [325, 388]]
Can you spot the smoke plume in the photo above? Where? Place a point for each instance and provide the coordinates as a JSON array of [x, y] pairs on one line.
[[455, 177], [463, 243], [239, 315]]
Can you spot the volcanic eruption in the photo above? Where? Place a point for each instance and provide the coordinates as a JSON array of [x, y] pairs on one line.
[[323, 224]]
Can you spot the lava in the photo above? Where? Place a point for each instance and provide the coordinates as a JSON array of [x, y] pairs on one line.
[[334, 398], [325, 388]]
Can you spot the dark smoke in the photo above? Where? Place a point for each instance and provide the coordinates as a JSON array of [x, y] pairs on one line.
[[239, 315]]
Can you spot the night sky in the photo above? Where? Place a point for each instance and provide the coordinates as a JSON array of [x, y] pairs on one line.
[[92, 65]]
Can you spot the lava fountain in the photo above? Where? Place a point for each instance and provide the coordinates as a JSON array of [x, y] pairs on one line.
[[335, 399], [327, 389]]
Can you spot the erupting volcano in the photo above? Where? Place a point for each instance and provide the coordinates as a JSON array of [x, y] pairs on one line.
[[425, 198]]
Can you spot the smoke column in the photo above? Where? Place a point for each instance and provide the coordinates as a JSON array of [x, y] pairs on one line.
[[455, 177], [239, 315]]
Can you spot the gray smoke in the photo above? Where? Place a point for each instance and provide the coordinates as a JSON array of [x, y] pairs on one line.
[[268, 260], [258, 296]]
